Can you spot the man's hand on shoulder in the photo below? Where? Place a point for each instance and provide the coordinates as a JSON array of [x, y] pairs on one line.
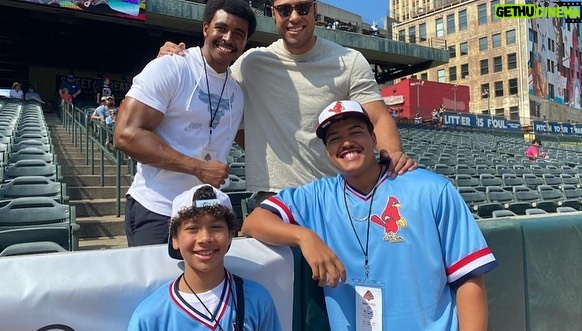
[[399, 163], [169, 48]]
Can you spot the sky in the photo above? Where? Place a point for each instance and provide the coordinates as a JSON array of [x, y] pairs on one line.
[[370, 10]]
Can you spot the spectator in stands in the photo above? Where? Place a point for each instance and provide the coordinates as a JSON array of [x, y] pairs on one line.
[[435, 117], [418, 119], [370, 243], [335, 25], [374, 30], [102, 111], [66, 97], [180, 118], [284, 85], [206, 295], [16, 91], [73, 88], [32, 95], [105, 90], [112, 117], [533, 151]]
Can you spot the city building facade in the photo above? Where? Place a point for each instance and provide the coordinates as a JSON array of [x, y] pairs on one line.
[[524, 70]]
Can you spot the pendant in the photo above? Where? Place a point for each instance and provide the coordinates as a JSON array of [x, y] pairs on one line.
[[207, 157]]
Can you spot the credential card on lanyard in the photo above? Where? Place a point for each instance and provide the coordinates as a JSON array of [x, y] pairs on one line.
[[368, 305]]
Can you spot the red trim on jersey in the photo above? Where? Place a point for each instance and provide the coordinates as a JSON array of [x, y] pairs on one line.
[[468, 259], [283, 208]]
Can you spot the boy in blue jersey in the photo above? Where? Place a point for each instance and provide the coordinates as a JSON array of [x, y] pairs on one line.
[[206, 296], [398, 253]]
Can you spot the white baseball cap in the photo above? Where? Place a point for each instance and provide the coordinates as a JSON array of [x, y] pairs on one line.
[[186, 200], [340, 110]]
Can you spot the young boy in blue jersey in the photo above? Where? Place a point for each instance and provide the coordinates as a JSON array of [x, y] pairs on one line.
[[398, 253], [206, 296]]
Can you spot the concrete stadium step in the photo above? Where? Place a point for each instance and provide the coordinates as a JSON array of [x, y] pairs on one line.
[[94, 180], [101, 226], [97, 207], [86, 170], [93, 192], [97, 243]]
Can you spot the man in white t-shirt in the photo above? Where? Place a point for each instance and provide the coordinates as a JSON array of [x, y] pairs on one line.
[[180, 118]]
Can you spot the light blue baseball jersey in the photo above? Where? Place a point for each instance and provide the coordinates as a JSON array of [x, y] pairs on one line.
[[423, 243], [166, 309]]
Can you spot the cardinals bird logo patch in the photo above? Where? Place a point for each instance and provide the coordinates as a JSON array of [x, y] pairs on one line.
[[391, 221]]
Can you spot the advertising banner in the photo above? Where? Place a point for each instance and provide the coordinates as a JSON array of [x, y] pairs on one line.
[[479, 121], [132, 9]]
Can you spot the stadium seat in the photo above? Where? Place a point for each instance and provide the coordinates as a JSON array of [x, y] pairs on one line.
[[248, 204], [466, 181], [32, 168], [550, 194], [484, 169], [503, 169], [32, 240], [33, 186], [568, 179], [490, 180], [35, 247], [443, 170], [537, 170], [503, 213], [572, 196], [236, 184], [565, 209], [550, 179], [47, 148], [32, 136], [535, 211], [31, 153], [236, 198], [237, 169], [521, 169], [477, 202], [568, 170], [465, 169], [511, 180], [532, 181]]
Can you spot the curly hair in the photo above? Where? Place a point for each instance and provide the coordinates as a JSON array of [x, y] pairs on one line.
[[192, 213], [238, 8]]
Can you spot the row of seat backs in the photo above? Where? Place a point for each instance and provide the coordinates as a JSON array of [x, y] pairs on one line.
[[509, 180]]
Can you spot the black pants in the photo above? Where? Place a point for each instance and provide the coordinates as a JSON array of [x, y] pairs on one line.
[[144, 227]]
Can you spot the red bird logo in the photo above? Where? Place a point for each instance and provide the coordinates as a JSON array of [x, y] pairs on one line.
[[337, 108], [390, 220]]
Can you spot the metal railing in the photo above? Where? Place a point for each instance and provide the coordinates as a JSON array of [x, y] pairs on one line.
[[90, 136]]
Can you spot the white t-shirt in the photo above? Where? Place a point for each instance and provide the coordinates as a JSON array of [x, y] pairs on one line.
[[176, 86], [284, 94]]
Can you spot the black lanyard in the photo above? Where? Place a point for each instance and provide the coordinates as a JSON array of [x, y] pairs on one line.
[[212, 113], [364, 250]]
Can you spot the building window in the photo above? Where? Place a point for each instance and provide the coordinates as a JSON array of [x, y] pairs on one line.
[[510, 37], [485, 91], [441, 75], [452, 74], [497, 64], [512, 86], [509, 1], [401, 35], [511, 61], [482, 14], [412, 34], [567, 96], [422, 31], [464, 71], [498, 89], [452, 51], [464, 48], [451, 23], [440, 27], [514, 113], [500, 112], [463, 20], [424, 76], [493, 4], [496, 40], [483, 44], [484, 65], [533, 36]]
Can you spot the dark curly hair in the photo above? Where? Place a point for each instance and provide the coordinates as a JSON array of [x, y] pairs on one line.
[[192, 213], [238, 8]]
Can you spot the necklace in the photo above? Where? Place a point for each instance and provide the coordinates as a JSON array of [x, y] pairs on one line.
[[364, 250], [212, 317], [215, 111]]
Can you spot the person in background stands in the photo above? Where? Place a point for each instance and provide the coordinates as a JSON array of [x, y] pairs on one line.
[[33, 95], [16, 91], [72, 87]]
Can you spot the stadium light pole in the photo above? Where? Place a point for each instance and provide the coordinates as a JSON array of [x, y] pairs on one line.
[[418, 84]]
